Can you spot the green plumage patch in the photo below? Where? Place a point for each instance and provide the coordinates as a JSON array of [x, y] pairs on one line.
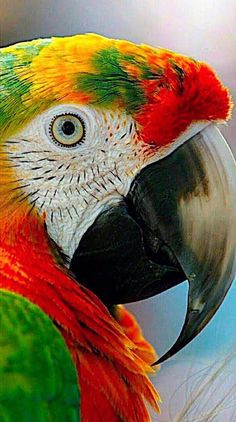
[[37, 377], [12, 87], [110, 82]]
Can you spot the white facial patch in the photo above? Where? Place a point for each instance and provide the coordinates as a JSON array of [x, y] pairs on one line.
[[73, 184]]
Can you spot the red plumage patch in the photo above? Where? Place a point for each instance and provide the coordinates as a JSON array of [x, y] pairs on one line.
[[188, 92]]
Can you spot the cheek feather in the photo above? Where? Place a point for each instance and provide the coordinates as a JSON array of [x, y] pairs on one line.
[[72, 186]]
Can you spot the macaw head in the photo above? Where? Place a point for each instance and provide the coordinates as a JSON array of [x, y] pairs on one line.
[[116, 148]]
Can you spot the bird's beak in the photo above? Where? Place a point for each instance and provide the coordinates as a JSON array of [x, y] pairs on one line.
[[178, 222]]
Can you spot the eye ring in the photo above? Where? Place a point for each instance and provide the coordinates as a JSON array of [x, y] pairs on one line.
[[67, 130]]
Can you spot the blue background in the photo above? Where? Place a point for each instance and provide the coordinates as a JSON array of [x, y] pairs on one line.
[[205, 370]]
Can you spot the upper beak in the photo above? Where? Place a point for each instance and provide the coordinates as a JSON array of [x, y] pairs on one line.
[[178, 222]]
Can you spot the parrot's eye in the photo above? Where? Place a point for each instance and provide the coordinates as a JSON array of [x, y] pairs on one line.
[[67, 130]]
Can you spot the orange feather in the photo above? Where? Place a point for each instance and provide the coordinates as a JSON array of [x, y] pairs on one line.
[[112, 377]]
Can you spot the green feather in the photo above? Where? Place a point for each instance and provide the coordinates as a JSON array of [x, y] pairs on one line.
[[12, 88], [38, 380], [111, 82]]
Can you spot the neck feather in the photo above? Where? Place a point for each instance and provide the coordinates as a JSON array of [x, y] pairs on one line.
[[99, 348]]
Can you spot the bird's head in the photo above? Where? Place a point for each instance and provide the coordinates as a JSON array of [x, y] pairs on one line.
[[116, 147]]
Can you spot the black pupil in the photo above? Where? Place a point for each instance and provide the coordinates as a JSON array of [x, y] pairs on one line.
[[68, 128]]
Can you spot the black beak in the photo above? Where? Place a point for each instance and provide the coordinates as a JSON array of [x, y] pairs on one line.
[[178, 222]]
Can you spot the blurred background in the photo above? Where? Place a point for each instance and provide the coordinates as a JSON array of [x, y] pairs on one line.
[[199, 384]]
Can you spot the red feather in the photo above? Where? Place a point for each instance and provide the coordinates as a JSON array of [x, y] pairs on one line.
[[188, 92]]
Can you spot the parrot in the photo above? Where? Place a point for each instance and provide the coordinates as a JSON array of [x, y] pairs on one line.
[[116, 184]]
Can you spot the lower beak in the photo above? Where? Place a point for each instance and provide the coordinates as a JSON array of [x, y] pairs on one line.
[[178, 222]]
